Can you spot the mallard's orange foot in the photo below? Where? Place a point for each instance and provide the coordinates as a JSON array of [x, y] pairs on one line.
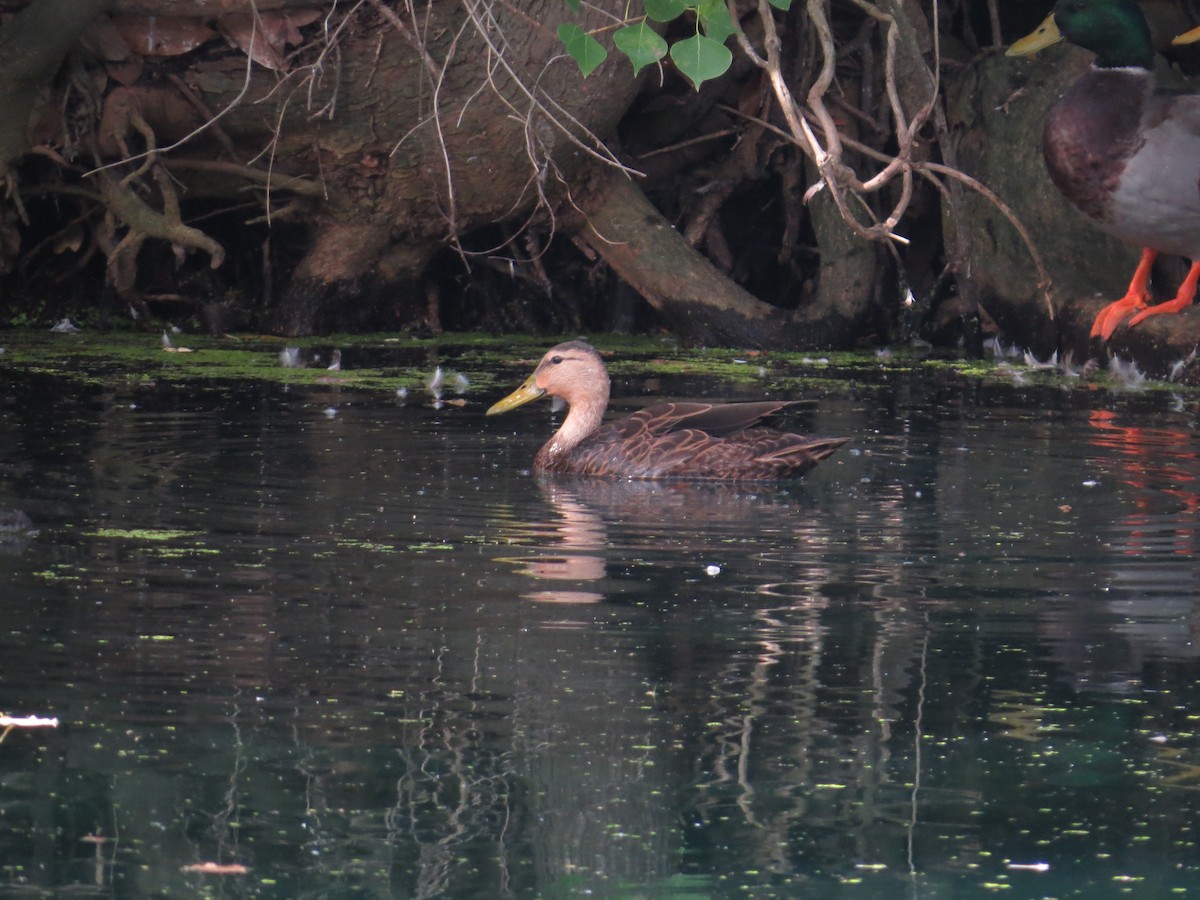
[[1115, 313], [1137, 297], [1183, 299], [1170, 306]]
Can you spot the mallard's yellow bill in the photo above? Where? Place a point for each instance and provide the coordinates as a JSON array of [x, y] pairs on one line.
[[1188, 37], [1045, 35], [522, 395]]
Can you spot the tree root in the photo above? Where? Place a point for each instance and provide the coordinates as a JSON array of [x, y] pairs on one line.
[[143, 221], [699, 303]]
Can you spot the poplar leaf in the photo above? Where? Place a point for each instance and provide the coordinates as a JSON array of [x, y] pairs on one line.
[[665, 10], [641, 44], [583, 48], [718, 24], [701, 59]]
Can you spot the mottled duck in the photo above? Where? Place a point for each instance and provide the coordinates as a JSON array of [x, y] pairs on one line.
[[709, 441]]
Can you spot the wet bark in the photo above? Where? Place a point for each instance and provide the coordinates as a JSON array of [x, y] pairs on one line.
[[702, 305], [33, 45], [378, 144], [388, 138]]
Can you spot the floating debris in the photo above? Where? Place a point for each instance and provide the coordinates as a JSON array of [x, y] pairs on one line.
[[1017, 375], [169, 346], [1068, 366], [1131, 378], [1034, 363], [27, 722], [1000, 351], [289, 358], [1177, 368], [435, 382], [65, 326], [214, 868]]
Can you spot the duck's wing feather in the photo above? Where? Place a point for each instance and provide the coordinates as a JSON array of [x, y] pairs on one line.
[[700, 440], [716, 419], [1180, 105]]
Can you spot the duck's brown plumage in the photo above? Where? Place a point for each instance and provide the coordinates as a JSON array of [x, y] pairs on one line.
[[714, 441]]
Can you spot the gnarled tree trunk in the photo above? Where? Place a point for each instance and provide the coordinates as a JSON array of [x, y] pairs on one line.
[[702, 305]]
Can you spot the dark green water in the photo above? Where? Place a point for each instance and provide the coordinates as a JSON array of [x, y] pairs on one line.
[[350, 644]]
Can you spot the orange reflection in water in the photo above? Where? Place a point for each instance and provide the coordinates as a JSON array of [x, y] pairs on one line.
[[1152, 461]]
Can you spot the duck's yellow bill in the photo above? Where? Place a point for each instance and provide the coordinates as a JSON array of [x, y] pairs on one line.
[[522, 395], [1188, 37], [1045, 35]]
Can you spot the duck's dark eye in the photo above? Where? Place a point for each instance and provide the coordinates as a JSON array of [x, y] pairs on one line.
[[556, 359]]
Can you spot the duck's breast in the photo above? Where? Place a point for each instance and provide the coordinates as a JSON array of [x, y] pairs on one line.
[[1092, 133], [1157, 200]]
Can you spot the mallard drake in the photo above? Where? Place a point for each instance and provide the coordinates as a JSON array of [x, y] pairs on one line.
[[1123, 153], [712, 441]]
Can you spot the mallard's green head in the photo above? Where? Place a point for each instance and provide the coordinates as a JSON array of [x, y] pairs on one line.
[[1115, 30]]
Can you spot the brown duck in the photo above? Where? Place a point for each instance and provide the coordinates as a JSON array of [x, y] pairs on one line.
[[712, 441]]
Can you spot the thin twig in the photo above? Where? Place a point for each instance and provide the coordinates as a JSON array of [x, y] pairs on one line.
[[928, 170]]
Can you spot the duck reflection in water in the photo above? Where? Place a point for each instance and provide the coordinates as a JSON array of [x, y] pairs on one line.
[[567, 552], [693, 440], [570, 547]]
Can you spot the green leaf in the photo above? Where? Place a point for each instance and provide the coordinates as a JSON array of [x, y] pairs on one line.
[[574, 4], [785, 5], [641, 44], [718, 24], [665, 10], [701, 59], [584, 49]]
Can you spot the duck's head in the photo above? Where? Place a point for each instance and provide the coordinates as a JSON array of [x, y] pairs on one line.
[[1115, 30], [572, 371]]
